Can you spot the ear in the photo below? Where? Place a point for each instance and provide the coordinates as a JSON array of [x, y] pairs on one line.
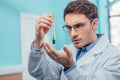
[[95, 23]]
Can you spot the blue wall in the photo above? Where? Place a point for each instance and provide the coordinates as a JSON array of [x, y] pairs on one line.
[[10, 38], [103, 17], [103, 26], [10, 41]]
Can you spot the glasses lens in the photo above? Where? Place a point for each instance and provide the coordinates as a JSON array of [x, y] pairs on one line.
[[65, 28]]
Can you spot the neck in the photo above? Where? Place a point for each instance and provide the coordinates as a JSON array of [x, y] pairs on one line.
[[94, 38]]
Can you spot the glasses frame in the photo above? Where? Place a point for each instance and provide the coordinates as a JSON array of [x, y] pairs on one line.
[[76, 27], [81, 26]]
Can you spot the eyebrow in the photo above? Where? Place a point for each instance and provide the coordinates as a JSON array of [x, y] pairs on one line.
[[81, 23]]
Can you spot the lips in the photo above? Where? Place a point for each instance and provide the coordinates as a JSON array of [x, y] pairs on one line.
[[76, 41]]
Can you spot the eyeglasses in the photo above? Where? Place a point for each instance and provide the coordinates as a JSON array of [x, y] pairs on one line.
[[76, 27]]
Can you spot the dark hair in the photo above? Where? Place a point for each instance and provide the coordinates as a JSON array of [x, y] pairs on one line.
[[82, 6]]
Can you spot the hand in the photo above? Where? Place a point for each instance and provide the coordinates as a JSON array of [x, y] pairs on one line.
[[43, 24], [65, 58]]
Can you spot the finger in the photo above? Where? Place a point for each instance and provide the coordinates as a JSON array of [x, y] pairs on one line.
[[52, 50], [45, 28], [45, 22], [48, 14], [42, 25], [48, 51], [50, 19], [67, 51], [39, 21], [40, 29], [47, 18]]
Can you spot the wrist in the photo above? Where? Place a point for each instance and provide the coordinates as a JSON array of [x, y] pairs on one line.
[[70, 69], [37, 43], [70, 64]]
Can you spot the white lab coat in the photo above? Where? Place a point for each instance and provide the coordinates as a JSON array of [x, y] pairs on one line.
[[102, 62]]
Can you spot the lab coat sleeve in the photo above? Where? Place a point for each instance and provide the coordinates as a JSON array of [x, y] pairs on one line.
[[42, 67], [109, 70]]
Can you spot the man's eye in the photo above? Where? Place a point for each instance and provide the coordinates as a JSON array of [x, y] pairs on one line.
[[79, 25]]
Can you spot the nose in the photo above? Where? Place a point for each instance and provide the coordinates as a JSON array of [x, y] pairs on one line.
[[73, 33]]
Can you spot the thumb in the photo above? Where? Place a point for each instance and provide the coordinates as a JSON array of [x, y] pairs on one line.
[[69, 54]]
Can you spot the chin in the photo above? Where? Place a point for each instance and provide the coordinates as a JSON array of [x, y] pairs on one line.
[[78, 45]]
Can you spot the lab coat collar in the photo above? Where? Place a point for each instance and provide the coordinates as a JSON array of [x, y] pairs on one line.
[[96, 50]]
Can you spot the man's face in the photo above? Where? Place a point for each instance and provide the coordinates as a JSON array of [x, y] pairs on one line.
[[82, 32]]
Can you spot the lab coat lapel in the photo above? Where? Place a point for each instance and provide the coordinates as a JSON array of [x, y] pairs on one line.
[[96, 50], [88, 57]]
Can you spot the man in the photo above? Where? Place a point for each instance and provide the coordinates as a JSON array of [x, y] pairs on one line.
[[89, 57]]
